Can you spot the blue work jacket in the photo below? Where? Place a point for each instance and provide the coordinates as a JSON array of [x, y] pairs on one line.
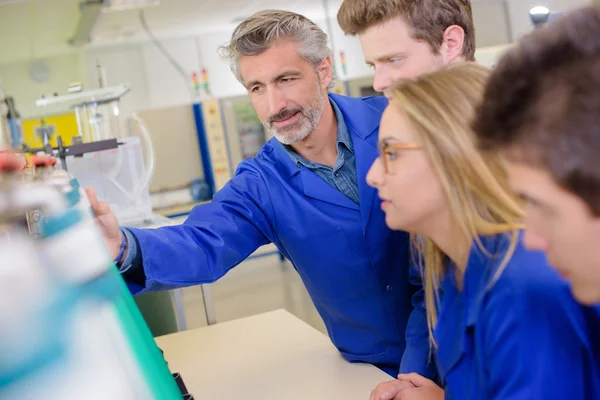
[[522, 337], [356, 269]]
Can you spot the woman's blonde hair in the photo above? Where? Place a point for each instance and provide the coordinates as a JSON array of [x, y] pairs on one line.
[[440, 108]]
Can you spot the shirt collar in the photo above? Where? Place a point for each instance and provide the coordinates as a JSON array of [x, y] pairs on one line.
[[343, 133], [343, 138]]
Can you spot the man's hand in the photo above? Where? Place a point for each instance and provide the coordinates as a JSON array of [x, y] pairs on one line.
[[107, 222], [420, 388], [389, 390]]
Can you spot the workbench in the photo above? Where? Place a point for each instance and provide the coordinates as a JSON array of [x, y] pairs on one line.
[[272, 356]]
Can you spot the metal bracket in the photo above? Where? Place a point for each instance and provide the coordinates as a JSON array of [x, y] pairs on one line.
[[75, 150]]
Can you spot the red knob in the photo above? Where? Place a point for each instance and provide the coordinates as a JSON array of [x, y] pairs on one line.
[[43, 161]]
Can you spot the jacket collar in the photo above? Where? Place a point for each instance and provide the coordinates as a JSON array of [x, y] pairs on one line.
[[478, 274], [466, 304], [362, 115]]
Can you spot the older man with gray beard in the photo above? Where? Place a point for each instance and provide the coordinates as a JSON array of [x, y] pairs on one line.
[[305, 192]]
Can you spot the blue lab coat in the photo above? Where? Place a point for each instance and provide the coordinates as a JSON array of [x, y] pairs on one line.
[[356, 270], [524, 337]]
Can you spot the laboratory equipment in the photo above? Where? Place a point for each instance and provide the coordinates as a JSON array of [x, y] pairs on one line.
[[119, 177], [69, 328], [118, 173]]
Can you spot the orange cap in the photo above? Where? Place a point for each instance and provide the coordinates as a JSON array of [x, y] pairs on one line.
[[43, 161]]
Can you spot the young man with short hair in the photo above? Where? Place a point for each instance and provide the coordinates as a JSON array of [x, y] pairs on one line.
[[542, 110], [407, 38]]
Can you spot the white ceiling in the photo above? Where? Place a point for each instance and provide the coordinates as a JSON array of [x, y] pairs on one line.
[[32, 29], [40, 28], [187, 17]]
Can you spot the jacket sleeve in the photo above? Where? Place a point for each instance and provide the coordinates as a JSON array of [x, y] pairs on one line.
[[417, 355], [533, 348], [215, 238]]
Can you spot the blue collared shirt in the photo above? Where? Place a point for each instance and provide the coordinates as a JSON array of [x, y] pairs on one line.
[[343, 174]]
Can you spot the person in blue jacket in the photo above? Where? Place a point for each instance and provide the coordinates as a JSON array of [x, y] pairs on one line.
[[503, 324], [541, 110], [548, 127], [305, 192]]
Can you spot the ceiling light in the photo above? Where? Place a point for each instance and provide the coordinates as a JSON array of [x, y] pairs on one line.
[[539, 10], [539, 15]]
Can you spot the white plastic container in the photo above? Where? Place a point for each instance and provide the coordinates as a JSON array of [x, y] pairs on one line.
[[119, 177]]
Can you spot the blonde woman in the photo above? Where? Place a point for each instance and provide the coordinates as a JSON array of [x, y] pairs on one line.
[[503, 325]]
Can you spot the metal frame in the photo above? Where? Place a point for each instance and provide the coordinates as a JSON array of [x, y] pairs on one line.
[[89, 96]]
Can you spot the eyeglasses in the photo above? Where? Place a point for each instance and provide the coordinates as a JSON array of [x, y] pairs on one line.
[[384, 147]]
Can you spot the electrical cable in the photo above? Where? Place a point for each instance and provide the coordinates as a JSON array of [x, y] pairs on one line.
[[167, 55]]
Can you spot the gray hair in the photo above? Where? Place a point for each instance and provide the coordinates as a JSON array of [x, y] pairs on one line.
[[258, 32]]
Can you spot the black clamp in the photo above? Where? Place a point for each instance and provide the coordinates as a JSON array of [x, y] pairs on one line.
[[76, 149]]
